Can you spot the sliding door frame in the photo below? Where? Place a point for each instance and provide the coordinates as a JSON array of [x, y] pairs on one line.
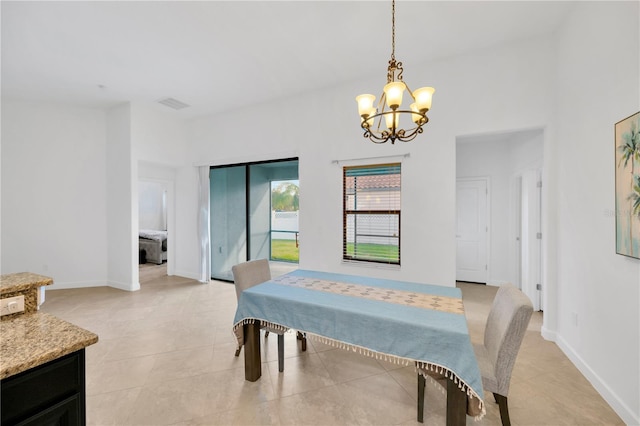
[[247, 193]]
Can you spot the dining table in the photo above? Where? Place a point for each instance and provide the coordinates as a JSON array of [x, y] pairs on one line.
[[406, 323]]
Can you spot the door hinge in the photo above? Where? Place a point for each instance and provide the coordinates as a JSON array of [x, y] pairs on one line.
[[539, 235], [538, 286]]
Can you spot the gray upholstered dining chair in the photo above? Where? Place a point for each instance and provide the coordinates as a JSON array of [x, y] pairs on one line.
[[505, 328], [249, 274]]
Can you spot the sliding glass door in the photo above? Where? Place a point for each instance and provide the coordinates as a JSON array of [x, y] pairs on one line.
[[242, 212], [228, 224]]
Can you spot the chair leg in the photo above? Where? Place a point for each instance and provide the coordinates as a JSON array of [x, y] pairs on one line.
[[504, 409], [281, 352], [421, 383], [303, 338]]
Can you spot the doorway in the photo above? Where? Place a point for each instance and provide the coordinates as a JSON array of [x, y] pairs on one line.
[[153, 229], [241, 213], [513, 163]]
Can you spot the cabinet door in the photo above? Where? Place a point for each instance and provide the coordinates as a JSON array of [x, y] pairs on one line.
[[65, 413], [55, 390]]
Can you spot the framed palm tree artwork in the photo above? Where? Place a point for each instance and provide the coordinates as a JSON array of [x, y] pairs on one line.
[[627, 134]]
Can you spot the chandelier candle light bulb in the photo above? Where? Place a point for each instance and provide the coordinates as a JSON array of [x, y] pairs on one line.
[[392, 120], [365, 105], [423, 98], [392, 94], [416, 117]]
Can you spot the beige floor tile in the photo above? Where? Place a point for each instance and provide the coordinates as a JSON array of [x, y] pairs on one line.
[[166, 356], [112, 408], [301, 374], [322, 407], [378, 399], [181, 400], [265, 413], [121, 374], [345, 365], [182, 364]]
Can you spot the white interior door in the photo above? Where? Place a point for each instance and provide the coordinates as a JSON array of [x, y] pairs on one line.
[[531, 260], [471, 230]]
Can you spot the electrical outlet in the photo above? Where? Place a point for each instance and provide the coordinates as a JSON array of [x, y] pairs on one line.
[[11, 305]]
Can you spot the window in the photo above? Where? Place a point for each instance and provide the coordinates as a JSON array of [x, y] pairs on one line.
[[371, 213]]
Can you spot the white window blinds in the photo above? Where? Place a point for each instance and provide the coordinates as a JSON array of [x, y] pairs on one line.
[[371, 213]]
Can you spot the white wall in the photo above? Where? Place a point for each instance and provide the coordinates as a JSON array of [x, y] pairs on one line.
[[186, 231], [54, 193], [475, 93], [122, 206], [69, 188], [158, 135], [152, 205], [598, 292]]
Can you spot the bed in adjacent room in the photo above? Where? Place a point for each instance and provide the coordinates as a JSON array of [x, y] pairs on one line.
[[154, 243]]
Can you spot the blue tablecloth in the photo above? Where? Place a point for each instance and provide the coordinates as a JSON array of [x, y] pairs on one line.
[[396, 321]]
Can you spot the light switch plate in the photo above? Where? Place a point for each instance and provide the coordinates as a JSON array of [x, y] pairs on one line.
[[11, 305]]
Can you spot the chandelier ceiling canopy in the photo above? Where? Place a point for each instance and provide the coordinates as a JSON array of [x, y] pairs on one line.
[[384, 122]]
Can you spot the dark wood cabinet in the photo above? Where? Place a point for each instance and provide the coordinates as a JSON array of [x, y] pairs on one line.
[[49, 394]]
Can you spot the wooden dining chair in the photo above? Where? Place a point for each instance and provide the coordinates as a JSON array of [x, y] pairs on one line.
[[504, 331], [249, 274]]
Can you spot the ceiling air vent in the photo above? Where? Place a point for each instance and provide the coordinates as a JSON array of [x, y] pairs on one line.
[[173, 103]]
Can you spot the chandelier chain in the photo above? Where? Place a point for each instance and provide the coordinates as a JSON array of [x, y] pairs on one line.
[[393, 30]]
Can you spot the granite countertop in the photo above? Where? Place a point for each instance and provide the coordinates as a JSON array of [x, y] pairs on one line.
[[33, 339], [22, 281]]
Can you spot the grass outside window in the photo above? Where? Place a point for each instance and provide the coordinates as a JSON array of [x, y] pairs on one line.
[[379, 252], [285, 250]]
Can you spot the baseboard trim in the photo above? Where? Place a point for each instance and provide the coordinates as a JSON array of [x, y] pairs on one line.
[[186, 274], [124, 286], [548, 334], [601, 387], [497, 283], [76, 284]]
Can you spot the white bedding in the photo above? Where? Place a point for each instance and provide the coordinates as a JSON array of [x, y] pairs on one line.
[[151, 234]]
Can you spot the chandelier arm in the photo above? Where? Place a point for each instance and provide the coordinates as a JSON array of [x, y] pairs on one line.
[[399, 111], [375, 138], [383, 102], [409, 90], [401, 134], [386, 136], [412, 136]]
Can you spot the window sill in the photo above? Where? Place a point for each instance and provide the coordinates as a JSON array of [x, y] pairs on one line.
[[373, 265]]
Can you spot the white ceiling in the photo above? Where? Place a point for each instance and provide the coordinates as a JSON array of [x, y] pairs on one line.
[[216, 55]]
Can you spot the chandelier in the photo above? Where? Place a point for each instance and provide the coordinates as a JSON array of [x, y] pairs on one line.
[[382, 123]]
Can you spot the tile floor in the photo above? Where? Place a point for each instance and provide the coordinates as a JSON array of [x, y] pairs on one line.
[[166, 357]]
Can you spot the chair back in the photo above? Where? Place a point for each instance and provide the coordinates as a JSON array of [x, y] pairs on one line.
[[248, 274], [508, 320]]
